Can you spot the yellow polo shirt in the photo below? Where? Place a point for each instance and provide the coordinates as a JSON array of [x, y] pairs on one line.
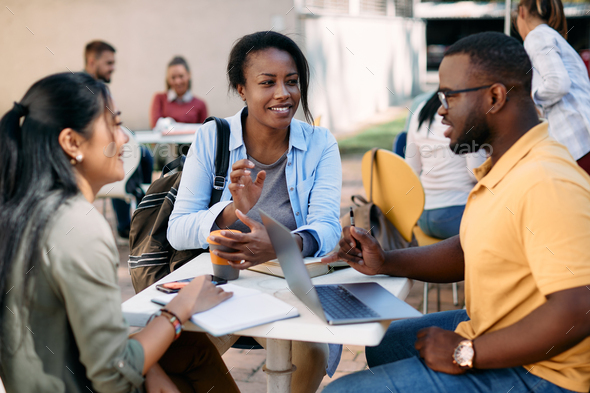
[[526, 234]]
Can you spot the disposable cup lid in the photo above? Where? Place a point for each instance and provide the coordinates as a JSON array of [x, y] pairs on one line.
[[218, 234]]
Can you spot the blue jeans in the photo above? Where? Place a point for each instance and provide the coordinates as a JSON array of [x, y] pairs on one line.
[[441, 223], [395, 366]]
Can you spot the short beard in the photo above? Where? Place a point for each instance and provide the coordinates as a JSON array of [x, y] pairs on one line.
[[474, 138], [102, 78]]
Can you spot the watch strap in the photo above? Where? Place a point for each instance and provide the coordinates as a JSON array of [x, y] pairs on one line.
[[469, 364]]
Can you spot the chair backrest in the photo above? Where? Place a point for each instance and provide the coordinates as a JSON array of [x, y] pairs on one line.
[[399, 144], [131, 157], [397, 190], [317, 121]]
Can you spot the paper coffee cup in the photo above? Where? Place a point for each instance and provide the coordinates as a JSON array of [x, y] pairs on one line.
[[221, 267]]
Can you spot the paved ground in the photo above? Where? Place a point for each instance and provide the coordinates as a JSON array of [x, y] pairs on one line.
[[246, 366]]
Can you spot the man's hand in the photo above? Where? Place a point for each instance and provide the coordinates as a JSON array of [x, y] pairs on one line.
[[157, 381], [436, 347], [244, 191], [360, 250], [253, 248]]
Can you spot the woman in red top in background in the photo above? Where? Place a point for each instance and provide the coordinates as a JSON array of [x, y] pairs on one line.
[[178, 102]]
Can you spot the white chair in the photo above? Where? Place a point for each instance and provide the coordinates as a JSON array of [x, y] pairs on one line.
[[131, 158]]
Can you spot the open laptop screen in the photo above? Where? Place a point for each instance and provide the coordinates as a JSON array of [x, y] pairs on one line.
[[291, 262]]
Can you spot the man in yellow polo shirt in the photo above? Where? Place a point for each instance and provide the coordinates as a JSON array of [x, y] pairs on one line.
[[523, 249]]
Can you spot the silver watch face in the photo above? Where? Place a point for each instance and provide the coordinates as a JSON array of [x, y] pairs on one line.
[[464, 355]]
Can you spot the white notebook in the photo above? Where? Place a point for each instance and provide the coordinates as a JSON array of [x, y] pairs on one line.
[[245, 309]]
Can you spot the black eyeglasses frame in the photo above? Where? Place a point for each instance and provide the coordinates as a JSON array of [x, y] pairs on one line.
[[442, 95]]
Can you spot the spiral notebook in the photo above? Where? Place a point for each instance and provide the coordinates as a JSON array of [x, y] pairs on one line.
[[245, 309]]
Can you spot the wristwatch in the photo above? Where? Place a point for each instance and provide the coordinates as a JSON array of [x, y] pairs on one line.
[[464, 354]]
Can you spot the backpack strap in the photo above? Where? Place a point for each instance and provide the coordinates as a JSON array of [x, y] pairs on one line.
[[373, 156], [172, 165], [221, 158]]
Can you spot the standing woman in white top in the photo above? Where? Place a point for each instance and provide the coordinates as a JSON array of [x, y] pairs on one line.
[[561, 88], [447, 176]]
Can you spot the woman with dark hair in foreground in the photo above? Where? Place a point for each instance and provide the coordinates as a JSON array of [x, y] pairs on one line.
[[61, 325]]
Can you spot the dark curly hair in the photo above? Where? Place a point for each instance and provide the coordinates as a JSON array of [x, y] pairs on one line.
[[251, 43]]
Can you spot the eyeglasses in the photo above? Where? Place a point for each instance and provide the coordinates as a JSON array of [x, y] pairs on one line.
[[442, 95]]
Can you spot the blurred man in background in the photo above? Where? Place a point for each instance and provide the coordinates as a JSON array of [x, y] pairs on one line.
[[99, 62]]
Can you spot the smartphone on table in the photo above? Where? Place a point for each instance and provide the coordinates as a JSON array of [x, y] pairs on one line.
[[175, 286]]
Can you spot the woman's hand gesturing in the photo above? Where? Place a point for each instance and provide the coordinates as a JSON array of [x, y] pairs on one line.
[[244, 191], [253, 248]]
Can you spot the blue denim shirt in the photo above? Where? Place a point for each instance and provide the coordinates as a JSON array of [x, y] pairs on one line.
[[314, 181]]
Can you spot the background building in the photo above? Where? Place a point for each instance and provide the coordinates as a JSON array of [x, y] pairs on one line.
[[449, 21], [365, 55]]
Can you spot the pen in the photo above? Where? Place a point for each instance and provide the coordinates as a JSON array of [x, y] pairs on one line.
[[352, 225]]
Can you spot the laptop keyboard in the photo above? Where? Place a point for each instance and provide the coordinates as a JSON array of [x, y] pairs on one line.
[[339, 303]]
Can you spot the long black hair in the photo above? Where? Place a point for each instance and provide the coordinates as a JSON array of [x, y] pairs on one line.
[[36, 176], [429, 110], [248, 44]]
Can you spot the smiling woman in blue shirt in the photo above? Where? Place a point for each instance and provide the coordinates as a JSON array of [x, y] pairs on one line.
[[284, 166]]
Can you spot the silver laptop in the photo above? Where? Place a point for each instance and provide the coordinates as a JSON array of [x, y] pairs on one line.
[[336, 303]]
